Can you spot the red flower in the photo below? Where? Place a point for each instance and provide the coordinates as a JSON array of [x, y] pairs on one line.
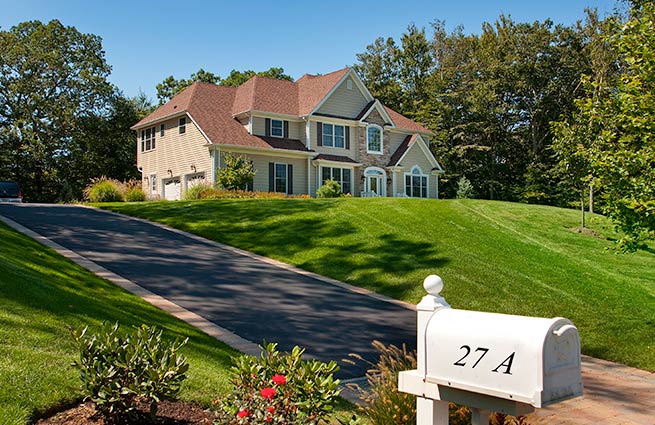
[[243, 413], [267, 392], [271, 409], [268, 419], [279, 379]]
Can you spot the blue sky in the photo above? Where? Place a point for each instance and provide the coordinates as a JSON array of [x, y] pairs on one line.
[[146, 41]]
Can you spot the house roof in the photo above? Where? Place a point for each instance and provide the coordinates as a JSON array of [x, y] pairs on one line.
[[404, 147], [334, 158], [213, 108]]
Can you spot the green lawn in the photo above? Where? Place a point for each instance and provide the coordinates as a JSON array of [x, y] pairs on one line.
[[493, 256], [41, 293]]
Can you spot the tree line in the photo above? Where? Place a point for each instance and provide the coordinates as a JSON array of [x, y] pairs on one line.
[[530, 112], [534, 112]]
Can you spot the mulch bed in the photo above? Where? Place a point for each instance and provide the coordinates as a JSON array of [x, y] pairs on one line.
[[169, 413]]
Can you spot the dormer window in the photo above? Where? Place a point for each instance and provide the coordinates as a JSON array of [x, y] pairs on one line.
[[374, 139], [277, 128]]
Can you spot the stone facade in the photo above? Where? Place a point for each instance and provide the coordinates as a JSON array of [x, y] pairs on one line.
[[373, 159]]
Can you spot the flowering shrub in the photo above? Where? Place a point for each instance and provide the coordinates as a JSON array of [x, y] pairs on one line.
[[280, 388]]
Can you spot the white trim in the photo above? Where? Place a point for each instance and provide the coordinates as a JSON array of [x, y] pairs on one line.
[[250, 124], [381, 151], [308, 134], [380, 108], [382, 177], [437, 186], [358, 82], [336, 163]]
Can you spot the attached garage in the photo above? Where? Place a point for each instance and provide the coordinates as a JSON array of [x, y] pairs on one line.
[[172, 189]]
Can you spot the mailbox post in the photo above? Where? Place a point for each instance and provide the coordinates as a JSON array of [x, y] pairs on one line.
[[489, 362]]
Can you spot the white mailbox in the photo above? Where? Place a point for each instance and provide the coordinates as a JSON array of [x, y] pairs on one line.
[[488, 361], [526, 359]]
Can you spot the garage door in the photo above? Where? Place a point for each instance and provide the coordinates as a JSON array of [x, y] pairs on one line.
[[195, 179], [172, 189]]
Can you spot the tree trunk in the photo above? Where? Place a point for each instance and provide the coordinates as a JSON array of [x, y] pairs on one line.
[[582, 208], [591, 198]]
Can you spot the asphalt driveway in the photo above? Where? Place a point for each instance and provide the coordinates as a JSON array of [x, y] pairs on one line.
[[254, 299]]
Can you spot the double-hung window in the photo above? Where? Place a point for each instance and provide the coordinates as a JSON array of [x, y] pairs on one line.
[[334, 135], [277, 128], [181, 127], [339, 175], [280, 178], [416, 183], [148, 139]]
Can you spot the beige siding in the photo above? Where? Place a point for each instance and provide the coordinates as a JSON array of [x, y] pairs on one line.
[[296, 129], [260, 163], [352, 153], [344, 102], [394, 140], [175, 152], [415, 156]]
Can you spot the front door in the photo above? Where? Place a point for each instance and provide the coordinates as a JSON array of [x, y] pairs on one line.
[[374, 184]]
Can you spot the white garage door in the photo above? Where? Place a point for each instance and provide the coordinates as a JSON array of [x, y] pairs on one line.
[[195, 179], [172, 189]]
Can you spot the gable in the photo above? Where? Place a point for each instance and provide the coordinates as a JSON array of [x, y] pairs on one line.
[[344, 102], [414, 151]]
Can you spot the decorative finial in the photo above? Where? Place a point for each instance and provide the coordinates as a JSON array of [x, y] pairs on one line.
[[433, 284]]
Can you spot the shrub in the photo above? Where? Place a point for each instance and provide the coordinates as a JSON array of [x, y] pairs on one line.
[[201, 191], [135, 194], [104, 190], [237, 171], [119, 370], [465, 188], [280, 388], [330, 189]]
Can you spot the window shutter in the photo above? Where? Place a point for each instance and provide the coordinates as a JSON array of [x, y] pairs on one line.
[[268, 127], [286, 129], [289, 179], [271, 177], [319, 132], [346, 130]]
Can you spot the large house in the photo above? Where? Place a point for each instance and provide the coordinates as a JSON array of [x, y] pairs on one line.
[[297, 135]]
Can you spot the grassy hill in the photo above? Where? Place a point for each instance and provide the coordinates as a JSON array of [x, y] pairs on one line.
[[41, 293], [493, 256]]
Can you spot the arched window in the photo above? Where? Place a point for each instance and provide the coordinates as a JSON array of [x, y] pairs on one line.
[[416, 183], [374, 139]]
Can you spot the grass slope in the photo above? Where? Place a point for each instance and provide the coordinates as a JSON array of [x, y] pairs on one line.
[[493, 256], [41, 293]]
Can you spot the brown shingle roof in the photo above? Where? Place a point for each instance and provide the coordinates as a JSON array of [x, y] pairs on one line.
[[213, 107], [405, 123]]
